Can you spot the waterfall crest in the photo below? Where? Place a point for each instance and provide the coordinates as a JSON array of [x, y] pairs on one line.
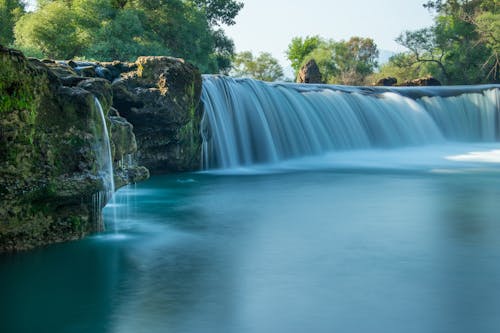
[[248, 122]]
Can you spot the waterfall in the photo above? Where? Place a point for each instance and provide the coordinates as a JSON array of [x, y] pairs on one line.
[[105, 160], [466, 117], [248, 122]]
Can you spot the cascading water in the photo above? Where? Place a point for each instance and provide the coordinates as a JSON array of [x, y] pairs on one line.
[[105, 163], [248, 122]]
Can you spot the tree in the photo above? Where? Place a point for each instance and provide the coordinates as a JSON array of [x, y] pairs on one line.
[[223, 51], [404, 67], [343, 62], [300, 48], [10, 12], [355, 60], [487, 25], [51, 30], [219, 12], [463, 42], [264, 67], [324, 57], [126, 29], [426, 46]]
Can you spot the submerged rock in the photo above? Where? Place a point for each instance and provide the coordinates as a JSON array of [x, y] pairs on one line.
[[309, 73]]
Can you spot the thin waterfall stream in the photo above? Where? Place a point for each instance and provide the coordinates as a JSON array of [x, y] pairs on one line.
[[106, 163]]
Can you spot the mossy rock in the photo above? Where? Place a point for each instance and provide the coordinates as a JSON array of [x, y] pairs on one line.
[[49, 157]]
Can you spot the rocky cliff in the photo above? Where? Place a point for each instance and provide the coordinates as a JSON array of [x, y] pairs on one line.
[[160, 96], [50, 134]]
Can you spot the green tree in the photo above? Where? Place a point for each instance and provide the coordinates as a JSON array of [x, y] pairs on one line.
[[300, 48], [324, 57], [404, 67], [355, 60], [223, 51], [343, 62], [10, 12], [264, 67], [125, 29], [51, 30], [463, 43], [426, 46], [219, 11]]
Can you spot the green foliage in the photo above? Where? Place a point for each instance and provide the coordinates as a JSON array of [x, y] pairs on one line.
[[223, 51], [463, 44], [403, 67], [355, 60], [264, 67], [219, 11], [52, 30], [343, 62], [122, 36], [323, 56], [10, 12], [300, 48], [16, 90], [126, 29]]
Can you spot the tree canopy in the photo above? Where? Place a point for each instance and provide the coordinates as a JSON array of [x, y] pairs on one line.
[[10, 12], [340, 62], [263, 67], [462, 47], [125, 29]]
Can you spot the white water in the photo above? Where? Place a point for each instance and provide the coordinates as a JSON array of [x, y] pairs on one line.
[[105, 161], [248, 122]]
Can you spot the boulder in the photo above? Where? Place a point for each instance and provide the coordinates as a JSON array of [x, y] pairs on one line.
[[101, 89], [124, 151], [104, 73], [161, 100], [86, 71], [309, 73], [424, 81], [116, 68], [387, 81]]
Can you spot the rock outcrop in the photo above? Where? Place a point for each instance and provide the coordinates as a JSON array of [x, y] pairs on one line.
[[50, 127], [424, 81], [160, 97], [387, 81], [51, 185], [309, 73]]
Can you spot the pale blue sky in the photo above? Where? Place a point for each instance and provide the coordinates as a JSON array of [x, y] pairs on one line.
[[269, 25]]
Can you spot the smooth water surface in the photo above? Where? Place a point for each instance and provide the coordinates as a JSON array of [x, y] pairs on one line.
[[368, 249]]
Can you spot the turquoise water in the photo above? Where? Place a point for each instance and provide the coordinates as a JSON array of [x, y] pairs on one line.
[[380, 244]]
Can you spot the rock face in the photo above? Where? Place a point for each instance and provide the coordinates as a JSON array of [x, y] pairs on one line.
[[309, 73], [420, 82], [387, 81], [160, 97], [50, 126]]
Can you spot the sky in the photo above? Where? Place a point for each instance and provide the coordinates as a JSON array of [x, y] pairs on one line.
[[270, 25]]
